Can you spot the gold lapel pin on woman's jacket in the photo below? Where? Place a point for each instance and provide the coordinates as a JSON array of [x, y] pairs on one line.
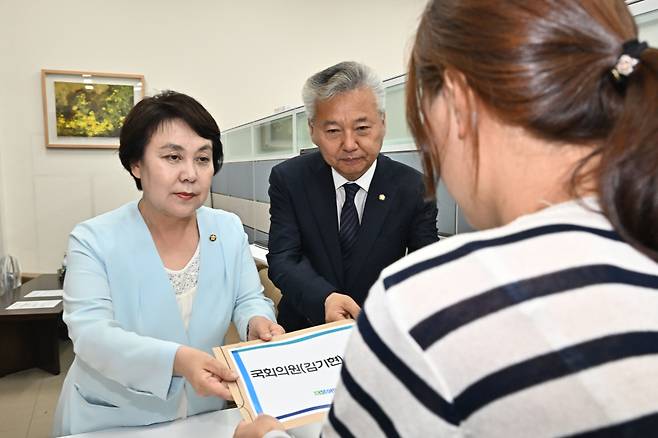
[[382, 197], [213, 237]]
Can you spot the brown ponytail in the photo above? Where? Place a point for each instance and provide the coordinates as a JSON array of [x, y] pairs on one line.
[[628, 173], [545, 65]]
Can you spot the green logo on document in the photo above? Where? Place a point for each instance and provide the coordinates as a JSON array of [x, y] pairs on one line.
[[324, 391]]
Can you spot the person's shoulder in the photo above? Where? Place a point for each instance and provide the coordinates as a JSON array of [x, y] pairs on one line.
[[299, 163], [117, 218], [456, 250], [500, 245], [404, 174], [106, 228], [226, 226], [408, 182], [429, 256], [220, 217]]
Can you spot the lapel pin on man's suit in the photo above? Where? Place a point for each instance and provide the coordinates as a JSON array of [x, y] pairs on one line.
[[382, 197], [213, 237]]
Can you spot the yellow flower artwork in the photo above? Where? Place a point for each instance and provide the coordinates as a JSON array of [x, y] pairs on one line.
[[91, 110]]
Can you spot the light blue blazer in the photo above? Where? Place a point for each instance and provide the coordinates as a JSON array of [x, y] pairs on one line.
[[122, 316]]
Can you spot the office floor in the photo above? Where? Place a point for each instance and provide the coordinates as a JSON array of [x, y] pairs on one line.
[[28, 399]]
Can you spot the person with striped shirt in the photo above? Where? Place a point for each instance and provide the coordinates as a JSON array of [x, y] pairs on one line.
[[542, 117]]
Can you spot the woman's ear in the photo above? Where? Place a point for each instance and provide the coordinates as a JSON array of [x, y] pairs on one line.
[[461, 100], [136, 170]]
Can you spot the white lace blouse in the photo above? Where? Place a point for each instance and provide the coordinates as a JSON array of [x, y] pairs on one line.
[[184, 283]]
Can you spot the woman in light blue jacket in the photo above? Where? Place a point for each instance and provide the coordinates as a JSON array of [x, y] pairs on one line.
[[152, 286]]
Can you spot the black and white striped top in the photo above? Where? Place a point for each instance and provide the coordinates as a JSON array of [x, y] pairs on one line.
[[547, 326]]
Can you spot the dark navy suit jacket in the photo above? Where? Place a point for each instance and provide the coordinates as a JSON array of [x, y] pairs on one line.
[[304, 252]]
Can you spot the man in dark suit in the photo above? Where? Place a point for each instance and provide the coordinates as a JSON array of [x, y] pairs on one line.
[[342, 214]]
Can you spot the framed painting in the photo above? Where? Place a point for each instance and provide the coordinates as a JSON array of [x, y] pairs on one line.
[[87, 109]]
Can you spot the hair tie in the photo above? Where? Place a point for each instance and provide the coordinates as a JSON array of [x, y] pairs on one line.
[[629, 58]]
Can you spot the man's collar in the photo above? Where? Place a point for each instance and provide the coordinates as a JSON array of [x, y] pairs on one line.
[[363, 182]]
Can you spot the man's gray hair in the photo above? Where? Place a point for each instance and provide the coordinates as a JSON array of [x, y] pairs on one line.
[[340, 78]]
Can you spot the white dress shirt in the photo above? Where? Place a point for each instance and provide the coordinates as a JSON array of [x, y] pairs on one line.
[[360, 198]]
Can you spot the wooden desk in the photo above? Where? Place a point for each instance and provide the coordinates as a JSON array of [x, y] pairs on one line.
[[30, 337]]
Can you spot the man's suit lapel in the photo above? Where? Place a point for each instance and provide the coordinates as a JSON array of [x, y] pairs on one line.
[[322, 199], [380, 194]]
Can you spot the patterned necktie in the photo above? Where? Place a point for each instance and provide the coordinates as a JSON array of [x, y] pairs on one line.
[[349, 221]]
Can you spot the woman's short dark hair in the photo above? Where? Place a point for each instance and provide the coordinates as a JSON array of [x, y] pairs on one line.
[[546, 66], [152, 112]]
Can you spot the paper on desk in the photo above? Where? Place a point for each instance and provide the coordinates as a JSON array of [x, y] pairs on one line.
[[41, 304], [294, 378], [45, 293], [258, 252]]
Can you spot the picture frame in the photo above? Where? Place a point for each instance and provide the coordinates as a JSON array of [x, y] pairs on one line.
[[85, 110]]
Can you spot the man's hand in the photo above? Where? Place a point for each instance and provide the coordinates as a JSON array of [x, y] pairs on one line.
[[340, 306], [205, 373], [263, 329], [260, 426]]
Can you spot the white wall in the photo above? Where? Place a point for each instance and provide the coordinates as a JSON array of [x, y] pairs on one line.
[[240, 59], [648, 26], [3, 196]]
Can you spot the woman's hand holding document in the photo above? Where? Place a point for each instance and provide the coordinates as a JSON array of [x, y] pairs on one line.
[[263, 329], [206, 375], [292, 377]]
